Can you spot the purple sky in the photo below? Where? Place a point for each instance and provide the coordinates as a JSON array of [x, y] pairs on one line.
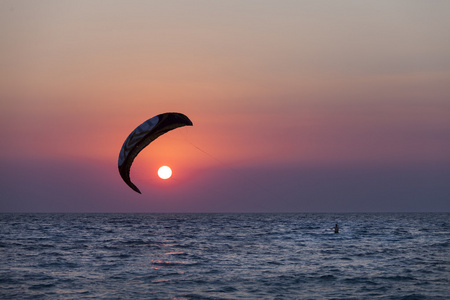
[[298, 106]]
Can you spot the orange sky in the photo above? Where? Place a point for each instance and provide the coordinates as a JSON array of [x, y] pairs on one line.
[[266, 84]]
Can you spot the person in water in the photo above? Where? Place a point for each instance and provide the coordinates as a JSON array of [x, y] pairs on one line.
[[336, 228]]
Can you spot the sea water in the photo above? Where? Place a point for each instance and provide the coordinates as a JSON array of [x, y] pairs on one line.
[[224, 256]]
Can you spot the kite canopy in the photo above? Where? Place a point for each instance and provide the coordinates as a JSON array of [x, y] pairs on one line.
[[143, 135]]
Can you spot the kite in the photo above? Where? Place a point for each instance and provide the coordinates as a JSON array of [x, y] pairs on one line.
[[143, 135]]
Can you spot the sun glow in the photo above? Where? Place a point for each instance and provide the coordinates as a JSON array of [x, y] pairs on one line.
[[164, 172]]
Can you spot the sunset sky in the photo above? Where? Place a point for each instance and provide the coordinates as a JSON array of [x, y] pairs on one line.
[[298, 106]]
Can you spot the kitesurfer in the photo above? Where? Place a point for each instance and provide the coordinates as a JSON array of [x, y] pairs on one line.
[[336, 228]]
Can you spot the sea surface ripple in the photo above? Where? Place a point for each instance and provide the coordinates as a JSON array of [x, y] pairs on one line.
[[224, 256]]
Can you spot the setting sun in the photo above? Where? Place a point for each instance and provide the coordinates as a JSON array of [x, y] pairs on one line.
[[164, 172]]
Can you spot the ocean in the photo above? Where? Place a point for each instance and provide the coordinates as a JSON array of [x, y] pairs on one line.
[[225, 256]]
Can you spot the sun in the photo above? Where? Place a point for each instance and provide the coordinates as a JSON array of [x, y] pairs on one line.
[[164, 172]]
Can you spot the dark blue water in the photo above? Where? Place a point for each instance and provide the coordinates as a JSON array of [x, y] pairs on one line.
[[224, 256]]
